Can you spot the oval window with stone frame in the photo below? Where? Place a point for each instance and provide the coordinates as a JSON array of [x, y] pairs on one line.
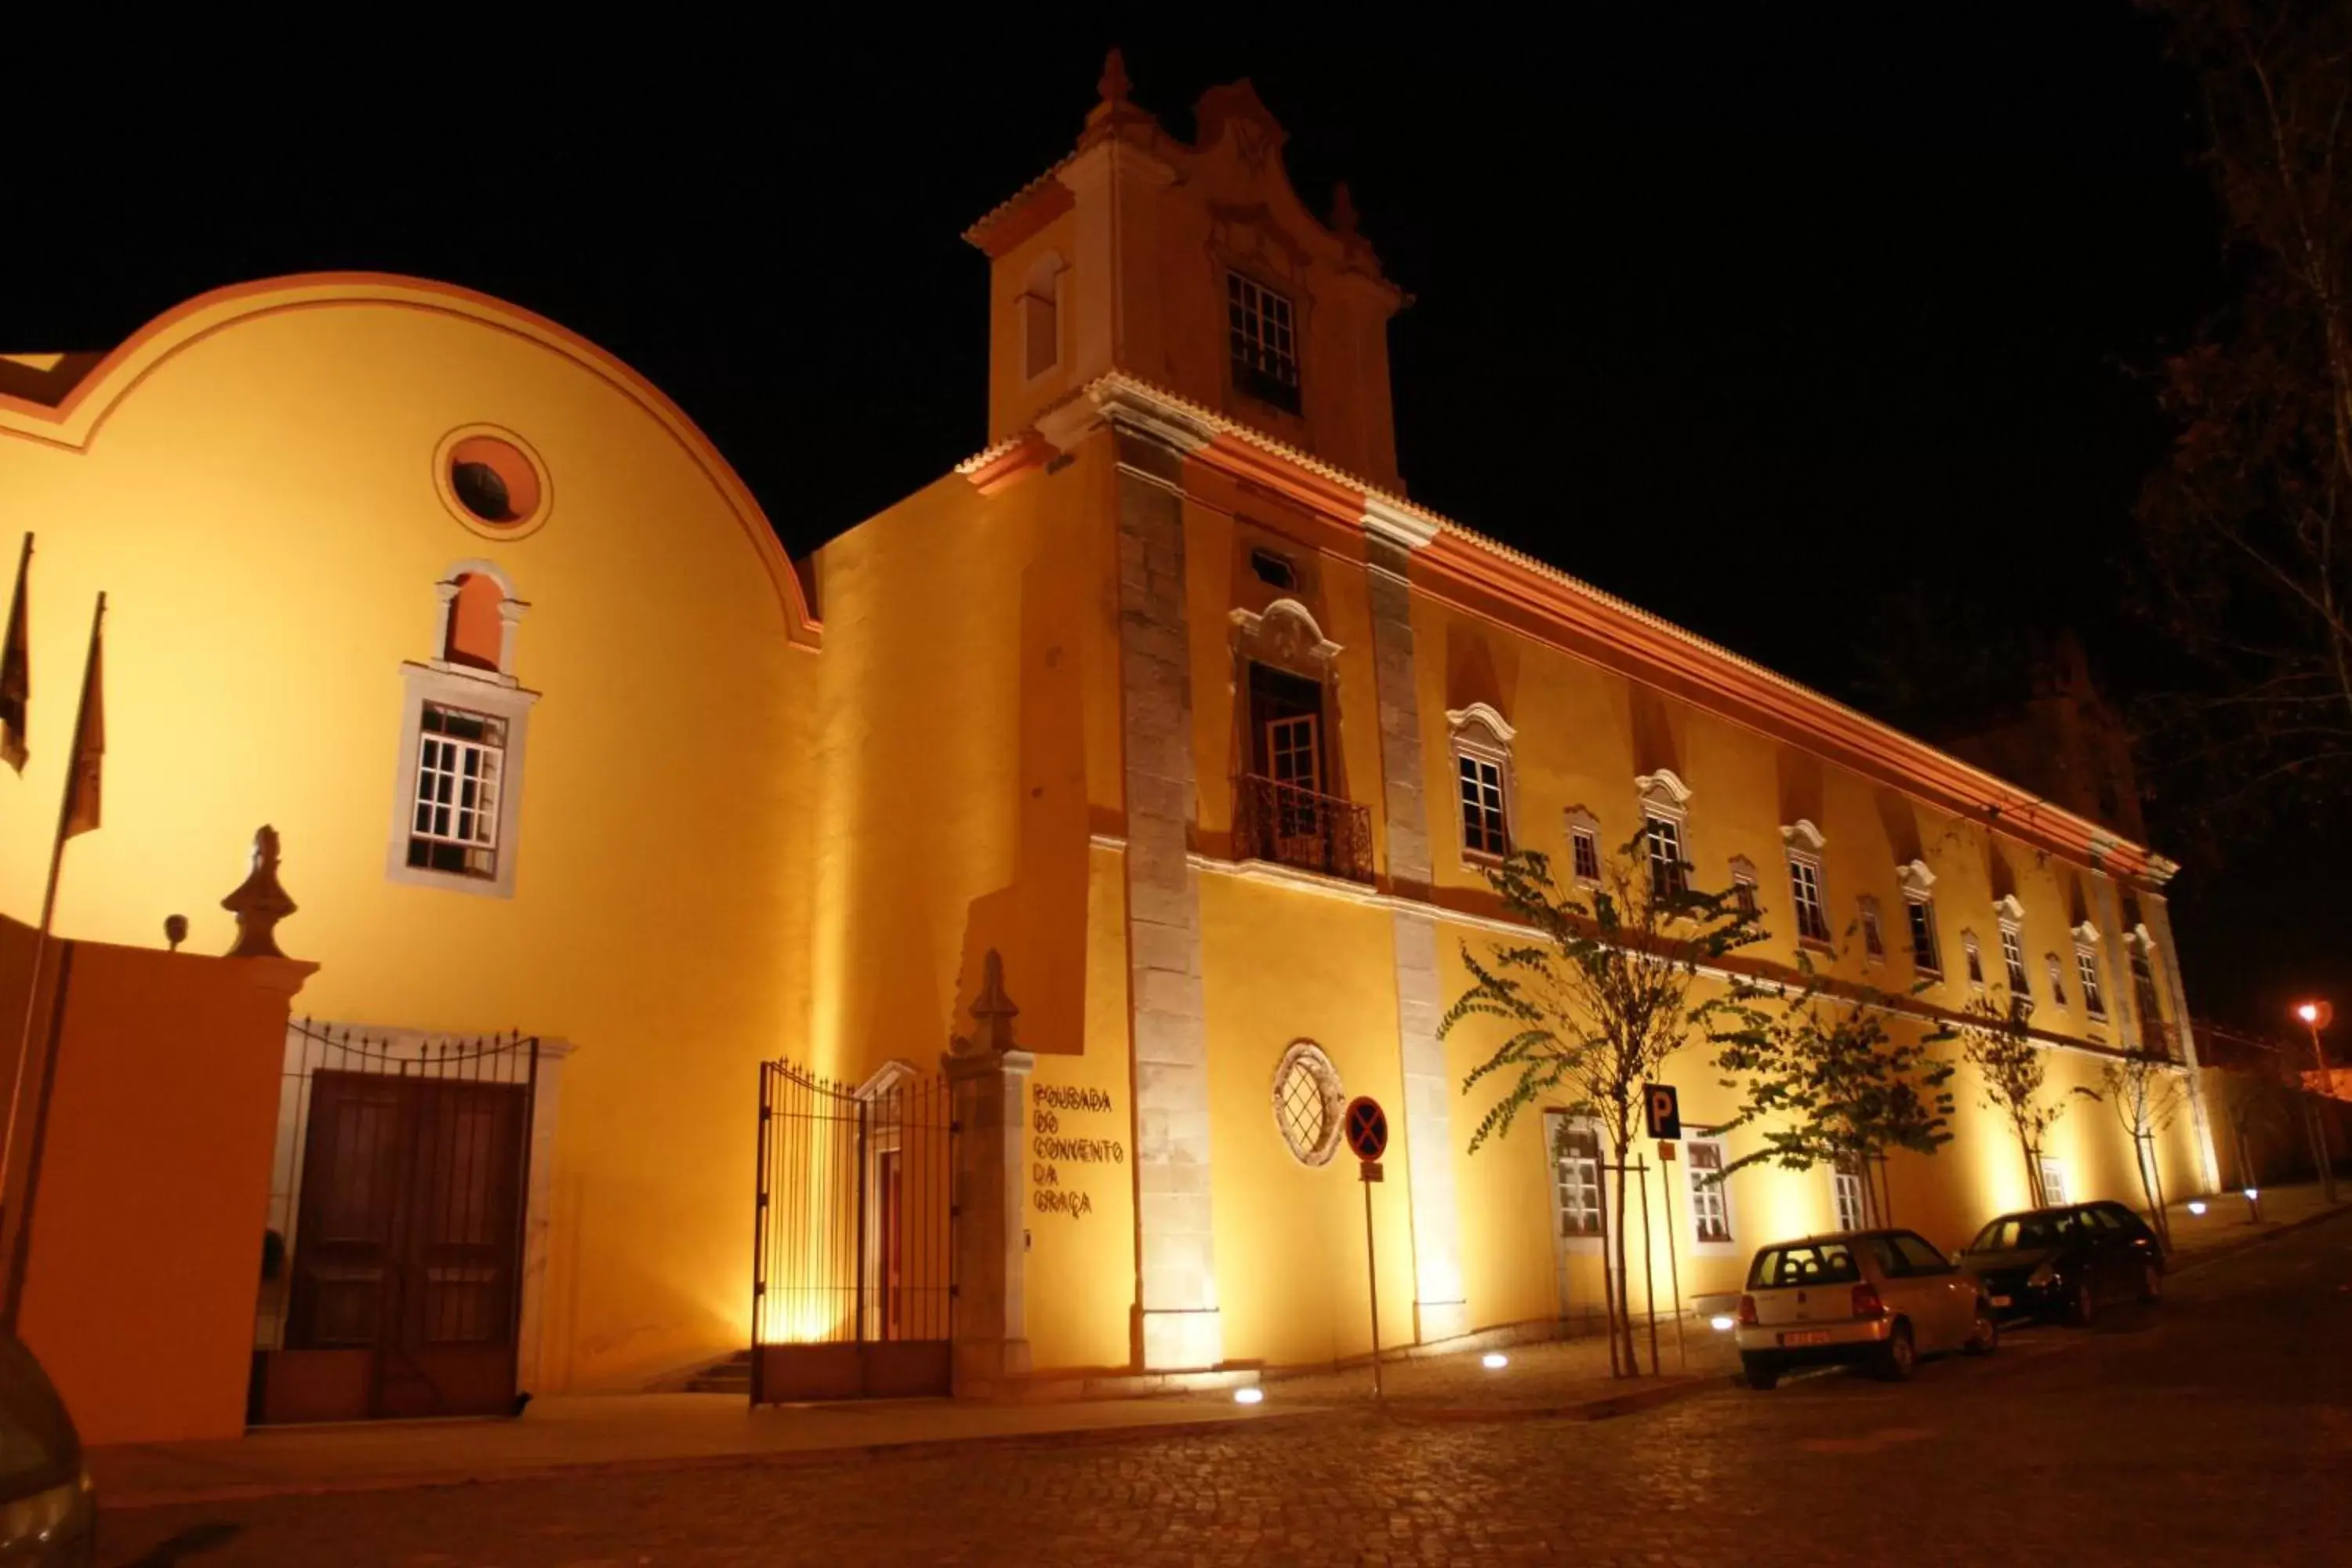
[[1308, 1101]]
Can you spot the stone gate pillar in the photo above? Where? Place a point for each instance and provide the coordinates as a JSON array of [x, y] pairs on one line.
[[988, 1079]]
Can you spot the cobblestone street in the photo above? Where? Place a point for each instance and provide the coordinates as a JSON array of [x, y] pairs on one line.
[[2220, 1432]]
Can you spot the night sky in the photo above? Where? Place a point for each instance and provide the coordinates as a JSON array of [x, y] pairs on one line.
[[1827, 332]]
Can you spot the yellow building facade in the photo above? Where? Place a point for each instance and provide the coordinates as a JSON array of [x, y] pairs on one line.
[[1169, 697]]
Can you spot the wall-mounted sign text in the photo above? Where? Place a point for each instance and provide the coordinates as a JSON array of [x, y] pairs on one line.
[[1053, 1146]]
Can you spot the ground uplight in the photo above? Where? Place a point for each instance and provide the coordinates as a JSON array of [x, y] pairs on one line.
[[2196, 1205], [1722, 1323], [1494, 1361], [1248, 1395]]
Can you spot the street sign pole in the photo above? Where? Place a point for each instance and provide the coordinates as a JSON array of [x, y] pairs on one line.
[[1649, 1268], [1366, 1128], [1674, 1268], [1372, 1276]]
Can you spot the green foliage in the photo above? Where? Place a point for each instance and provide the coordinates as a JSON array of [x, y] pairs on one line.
[[1824, 1082], [1600, 997]]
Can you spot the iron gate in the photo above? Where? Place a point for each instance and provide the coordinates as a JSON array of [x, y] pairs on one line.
[[392, 1263], [853, 1287]]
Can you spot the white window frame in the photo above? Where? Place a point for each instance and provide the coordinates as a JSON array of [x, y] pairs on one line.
[[1584, 832], [2054, 1181], [1717, 1196], [1803, 842], [1482, 735], [1972, 958], [1840, 1181], [1873, 930], [1743, 881], [2010, 916], [493, 693], [1581, 1241], [1664, 798], [2087, 974], [1918, 887], [2057, 970]]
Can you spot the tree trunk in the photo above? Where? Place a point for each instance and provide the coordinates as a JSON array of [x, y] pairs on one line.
[[1625, 1324], [2034, 1193], [2144, 1154]]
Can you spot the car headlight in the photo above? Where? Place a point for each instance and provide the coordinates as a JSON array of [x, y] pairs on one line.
[[40, 1516], [2042, 1275]]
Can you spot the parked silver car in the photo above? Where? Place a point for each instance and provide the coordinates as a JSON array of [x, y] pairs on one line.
[[1879, 1299]]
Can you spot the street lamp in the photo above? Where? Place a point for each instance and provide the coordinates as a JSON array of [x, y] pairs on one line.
[[2315, 1016]]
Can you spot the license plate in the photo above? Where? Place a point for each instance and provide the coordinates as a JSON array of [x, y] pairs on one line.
[[2000, 1300], [1806, 1337]]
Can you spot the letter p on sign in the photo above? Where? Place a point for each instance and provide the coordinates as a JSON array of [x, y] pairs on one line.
[[1663, 1110]]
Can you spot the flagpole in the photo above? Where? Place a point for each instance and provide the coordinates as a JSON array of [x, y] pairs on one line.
[[48, 911]]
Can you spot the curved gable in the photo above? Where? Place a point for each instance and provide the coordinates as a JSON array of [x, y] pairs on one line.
[[77, 419]]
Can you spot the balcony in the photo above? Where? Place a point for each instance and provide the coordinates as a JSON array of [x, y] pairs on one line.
[[1292, 826]]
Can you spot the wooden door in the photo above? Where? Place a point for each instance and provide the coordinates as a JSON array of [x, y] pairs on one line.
[[406, 1255]]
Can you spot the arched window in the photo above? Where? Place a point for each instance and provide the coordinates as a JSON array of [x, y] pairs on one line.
[[476, 631]]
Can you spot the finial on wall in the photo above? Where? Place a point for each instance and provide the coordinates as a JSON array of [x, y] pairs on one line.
[[1343, 212], [175, 930], [992, 1014], [1114, 83], [259, 903]]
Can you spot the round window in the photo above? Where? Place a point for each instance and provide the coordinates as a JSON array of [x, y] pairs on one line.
[[1308, 1101], [495, 485]]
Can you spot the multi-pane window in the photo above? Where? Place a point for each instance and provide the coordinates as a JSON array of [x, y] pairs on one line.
[[1306, 1100], [1975, 957], [1576, 1176], [1924, 954], [1874, 939], [2012, 958], [1262, 334], [455, 824], [1485, 826], [1710, 1210], [1743, 893], [2086, 970], [1662, 835], [1853, 1211], [1805, 892], [2057, 978], [2053, 1183], [1584, 852]]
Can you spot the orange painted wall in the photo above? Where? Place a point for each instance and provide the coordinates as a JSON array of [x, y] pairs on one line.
[[145, 1252]]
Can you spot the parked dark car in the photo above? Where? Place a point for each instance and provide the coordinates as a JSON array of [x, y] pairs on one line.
[[49, 1512], [2067, 1263]]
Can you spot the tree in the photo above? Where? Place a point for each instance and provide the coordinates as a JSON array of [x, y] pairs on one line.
[[2144, 1091], [1595, 1002], [2248, 535], [2011, 1069], [1827, 1083]]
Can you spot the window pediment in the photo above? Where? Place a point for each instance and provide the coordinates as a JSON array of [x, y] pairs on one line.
[[1284, 634], [1664, 793], [1915, 880], [1802, 837], [2010, 911], [1465, 721]]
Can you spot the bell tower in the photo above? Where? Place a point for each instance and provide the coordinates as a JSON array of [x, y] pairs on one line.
[[1195, 267]]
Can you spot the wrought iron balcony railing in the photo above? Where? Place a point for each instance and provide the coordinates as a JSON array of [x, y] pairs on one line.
[[1293, 826]]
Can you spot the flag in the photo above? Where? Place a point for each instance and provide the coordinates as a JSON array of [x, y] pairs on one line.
[[89, 737], [17, 670]]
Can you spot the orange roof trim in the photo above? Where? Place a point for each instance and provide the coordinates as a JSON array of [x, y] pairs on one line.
[[1572, 614]]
